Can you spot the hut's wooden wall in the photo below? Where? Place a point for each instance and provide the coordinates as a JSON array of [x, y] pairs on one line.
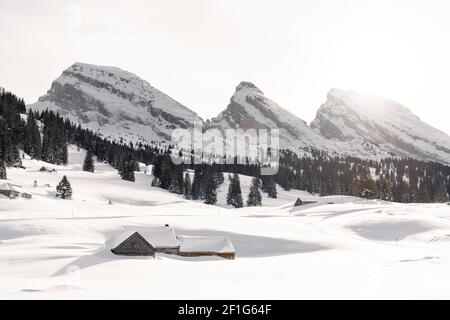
[[226, 255]]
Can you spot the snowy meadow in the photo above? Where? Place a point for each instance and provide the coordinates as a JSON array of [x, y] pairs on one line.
[[336, 247]]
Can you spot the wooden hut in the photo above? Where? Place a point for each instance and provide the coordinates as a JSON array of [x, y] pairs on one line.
[[298, 203], [132, 244], [8, 189], [148, 240], [195, 246]]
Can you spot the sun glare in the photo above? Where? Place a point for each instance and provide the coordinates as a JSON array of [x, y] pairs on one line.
[[377, 63]]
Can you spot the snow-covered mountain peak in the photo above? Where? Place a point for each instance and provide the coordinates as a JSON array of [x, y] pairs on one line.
[[109, 75], [250, 109], [349, 116], [248, 87], [361, 102], [116, 103]]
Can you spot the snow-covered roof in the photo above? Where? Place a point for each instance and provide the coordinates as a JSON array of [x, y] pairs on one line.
[[159, 237], [219, 244], [6, 185]]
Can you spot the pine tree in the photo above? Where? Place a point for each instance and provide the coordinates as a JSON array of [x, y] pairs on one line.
[[126, 170], [440, 194], [385, 191], [32, 144], [88, 164], [365, 184], [423, 194], [210, 194], [64, 153], [2, 169], [176, 182], [269, 186], [219, 177], [166, 172], [63, 189], [209, 185], [157, 172], [234, 196], [196, 184], [254, 197], [187, 186]]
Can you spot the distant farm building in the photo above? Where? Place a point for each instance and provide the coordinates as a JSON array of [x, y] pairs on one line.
[[12, 191], [299, 202], [141, 241], [8, 189], [45, 169], [206, 246]]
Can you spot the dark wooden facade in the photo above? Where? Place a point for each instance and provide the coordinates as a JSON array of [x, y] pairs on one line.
[[168, 250], [298, 203], [10, 193], [134, 245], [226, 255]]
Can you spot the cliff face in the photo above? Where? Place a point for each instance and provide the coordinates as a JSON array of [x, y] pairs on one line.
[[389, 127], [116, 103]]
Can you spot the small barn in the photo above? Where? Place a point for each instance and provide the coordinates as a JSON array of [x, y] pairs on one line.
[[139, 241], [45, 169], [8, 189], [26, 195], [298, 202], [195, 246]]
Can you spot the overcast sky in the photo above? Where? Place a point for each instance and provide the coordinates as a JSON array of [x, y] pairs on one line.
[[197, 51]]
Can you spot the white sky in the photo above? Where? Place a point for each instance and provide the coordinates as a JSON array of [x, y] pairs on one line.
[[197, 51]]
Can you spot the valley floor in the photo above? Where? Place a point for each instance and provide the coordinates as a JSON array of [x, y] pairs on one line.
[[339, 247]]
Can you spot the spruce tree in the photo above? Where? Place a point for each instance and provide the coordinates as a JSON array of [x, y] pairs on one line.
[[365, 185], [187, 186], [209, 186], [254, 197], [2, 169], [32, 144], [88, 164], [157, 171], [269, 186], [219, 177], [126, 170], [176, 182], [196, 184], [166, 172], [440, 194], [234, 196], [63, 189], [385, 191]]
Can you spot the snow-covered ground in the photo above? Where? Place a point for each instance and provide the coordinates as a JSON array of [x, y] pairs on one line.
[[339, 247]]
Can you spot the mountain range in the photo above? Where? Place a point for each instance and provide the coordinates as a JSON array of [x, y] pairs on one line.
[[120, 105]]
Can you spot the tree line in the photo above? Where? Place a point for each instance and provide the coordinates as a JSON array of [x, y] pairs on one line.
[[46, 136]]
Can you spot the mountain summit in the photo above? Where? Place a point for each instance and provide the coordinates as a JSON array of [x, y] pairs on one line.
[[116, 103], [250, 109], [120, 105], [352, 118]]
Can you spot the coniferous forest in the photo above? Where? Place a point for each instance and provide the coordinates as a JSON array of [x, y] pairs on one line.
[[46, 136]]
